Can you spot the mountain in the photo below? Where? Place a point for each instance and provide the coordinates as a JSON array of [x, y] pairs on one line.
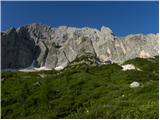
[[51, 47]]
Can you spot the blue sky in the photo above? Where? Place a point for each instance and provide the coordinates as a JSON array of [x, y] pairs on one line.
[[122, 17]]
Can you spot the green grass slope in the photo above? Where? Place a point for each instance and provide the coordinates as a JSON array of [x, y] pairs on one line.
[[82, 91]]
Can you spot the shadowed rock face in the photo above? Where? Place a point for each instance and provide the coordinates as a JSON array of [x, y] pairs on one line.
[[53, 47], [17, 49]]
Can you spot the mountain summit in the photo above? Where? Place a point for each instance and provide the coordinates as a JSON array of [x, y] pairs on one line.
[[57, 47]]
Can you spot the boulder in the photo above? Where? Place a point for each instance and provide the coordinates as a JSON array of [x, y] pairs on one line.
[[134, 84]]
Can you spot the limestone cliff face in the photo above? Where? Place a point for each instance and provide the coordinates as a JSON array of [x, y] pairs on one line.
[[53, 47]]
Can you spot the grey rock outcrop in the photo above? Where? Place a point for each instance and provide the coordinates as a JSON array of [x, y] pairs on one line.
[[17, 49], [54, 47]]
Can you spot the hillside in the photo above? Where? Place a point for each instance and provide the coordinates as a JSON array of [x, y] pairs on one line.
[[83, 90]]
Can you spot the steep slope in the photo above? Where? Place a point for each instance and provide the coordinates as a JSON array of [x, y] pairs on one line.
[[81, 91], [53, 47]]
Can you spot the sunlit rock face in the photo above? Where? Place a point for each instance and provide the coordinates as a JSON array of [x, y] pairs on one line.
[[52, 47]]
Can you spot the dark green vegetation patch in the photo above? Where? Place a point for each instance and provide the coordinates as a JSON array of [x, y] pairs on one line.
[[82, 91]]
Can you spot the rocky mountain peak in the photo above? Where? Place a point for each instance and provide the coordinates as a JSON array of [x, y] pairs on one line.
[[11, 30], [106, 29], [54, 47]]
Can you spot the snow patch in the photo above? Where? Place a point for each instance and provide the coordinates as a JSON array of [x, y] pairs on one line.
[[33, 69], [59, 68], [42, 68], [128, 67], [26, 70]]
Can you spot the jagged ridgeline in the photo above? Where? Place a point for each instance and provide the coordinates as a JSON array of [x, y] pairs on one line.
[[89, 86], [57, 47]]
